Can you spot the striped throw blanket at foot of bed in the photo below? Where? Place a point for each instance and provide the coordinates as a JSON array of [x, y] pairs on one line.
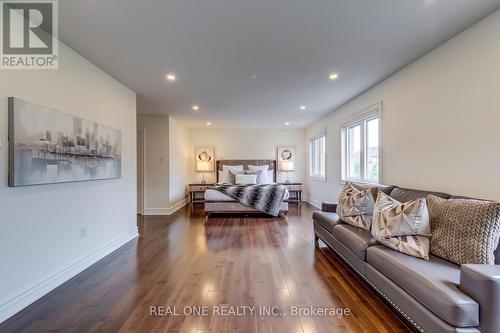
[[266, 198]]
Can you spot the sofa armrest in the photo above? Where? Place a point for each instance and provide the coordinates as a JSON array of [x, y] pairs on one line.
[[482, 283], [330, 207]]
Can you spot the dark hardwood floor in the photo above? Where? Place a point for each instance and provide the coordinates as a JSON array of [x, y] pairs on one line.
[[181, 261]]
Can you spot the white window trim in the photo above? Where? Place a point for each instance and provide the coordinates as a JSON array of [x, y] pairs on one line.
[[373, 111], [315, 136]]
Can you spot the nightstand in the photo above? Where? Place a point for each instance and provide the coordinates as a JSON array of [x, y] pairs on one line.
[[197, 188], [295, 190]]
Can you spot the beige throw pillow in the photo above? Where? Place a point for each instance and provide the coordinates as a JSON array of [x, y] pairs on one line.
[[464, 231], [403, 227], [355, 206]]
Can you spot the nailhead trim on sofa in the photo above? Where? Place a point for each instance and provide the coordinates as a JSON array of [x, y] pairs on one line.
[[414, 323]]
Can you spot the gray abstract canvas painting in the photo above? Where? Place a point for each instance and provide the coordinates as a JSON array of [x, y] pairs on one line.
[[48, 146]]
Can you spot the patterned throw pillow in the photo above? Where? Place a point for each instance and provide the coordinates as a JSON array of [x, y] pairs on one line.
[[355, 206], [403, 227], [464, 231], [363, 186], [232, 176], [223, 177]]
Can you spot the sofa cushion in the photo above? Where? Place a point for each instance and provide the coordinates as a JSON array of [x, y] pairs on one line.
[[345, 253], [354, 238], [432, 283], [408, 194], [415, 312], [326, 220]]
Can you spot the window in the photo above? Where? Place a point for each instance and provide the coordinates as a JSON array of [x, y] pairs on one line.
[[317, 157], [360, 147]]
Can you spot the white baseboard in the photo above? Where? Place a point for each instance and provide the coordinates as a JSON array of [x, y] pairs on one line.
[[30, 295], [311, 201], [166, 211]]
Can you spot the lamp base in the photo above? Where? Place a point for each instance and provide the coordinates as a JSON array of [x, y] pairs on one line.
[[287, 180]]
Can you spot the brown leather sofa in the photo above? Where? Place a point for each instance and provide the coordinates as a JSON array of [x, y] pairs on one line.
[[435, 295]]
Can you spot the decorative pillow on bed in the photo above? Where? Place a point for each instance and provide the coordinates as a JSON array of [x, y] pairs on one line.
[[355, 207], [244, 179], [270, 177], [260, 175], [232, 176], [403, 227], [265, 173], [254, 168], [224, 177], [234, 168], [464, 231]]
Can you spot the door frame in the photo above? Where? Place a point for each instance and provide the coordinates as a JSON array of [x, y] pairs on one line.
[[141, 132]]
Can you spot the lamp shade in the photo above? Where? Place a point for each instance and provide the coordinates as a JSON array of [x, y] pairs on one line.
[[287, 166], [203, 166]]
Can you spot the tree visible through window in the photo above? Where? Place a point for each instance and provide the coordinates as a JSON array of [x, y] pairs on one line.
[[360, 147]]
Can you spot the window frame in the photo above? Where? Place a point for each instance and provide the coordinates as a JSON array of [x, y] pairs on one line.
[[361, 119], [311, 139]]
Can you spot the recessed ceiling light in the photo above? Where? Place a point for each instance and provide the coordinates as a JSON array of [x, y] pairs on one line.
[[287, 123], [171, 77], [196, 107], [333, 76], [303, 107], [209, 123]]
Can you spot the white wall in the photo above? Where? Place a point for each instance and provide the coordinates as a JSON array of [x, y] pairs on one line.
[[166, 163], [441, 116], [248, 144], [179, 161], [40, 242], [156, 137]]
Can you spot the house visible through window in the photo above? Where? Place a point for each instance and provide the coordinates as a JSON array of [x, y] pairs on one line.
[[317, 157], [360, 147]]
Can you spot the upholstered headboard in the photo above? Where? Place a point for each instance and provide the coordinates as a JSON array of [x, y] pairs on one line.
[[246, 163]]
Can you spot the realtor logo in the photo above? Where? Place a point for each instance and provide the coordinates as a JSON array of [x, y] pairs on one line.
[[29, 34]]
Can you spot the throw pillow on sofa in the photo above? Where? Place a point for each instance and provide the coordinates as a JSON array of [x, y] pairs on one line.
[[403, 227], [464, 231], [355, 206], [373, 187]]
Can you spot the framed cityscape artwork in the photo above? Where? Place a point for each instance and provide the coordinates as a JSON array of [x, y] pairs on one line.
[[48, 146]]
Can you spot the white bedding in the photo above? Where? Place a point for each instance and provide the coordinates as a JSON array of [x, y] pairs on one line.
[[214, 195]]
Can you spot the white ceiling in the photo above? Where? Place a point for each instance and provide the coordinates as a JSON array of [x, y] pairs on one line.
[[213, 46]]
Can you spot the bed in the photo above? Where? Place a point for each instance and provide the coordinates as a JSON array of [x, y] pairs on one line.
[[217, 202]]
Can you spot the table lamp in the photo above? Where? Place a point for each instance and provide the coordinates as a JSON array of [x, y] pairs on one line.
[[287, 166], [203, 166]]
